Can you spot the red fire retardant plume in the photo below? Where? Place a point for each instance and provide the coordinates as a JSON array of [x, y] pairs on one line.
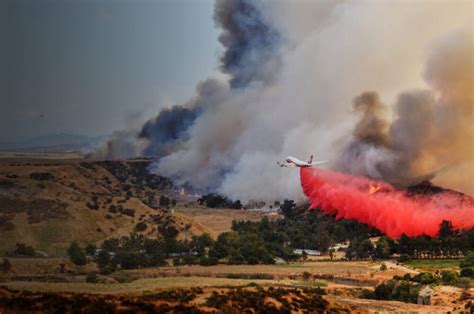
[[380, 205]]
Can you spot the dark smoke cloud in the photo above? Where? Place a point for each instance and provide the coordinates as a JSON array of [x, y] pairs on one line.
[[168, 130], [431, 129], [249, 40], [372, 126]]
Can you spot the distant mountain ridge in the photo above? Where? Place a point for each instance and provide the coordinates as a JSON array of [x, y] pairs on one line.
[[61, 142]]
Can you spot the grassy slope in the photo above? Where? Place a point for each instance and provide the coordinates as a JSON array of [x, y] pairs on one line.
[[434, 264], [74, 185]]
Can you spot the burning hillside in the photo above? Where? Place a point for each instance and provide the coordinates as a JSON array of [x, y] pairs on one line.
[[418, 210]]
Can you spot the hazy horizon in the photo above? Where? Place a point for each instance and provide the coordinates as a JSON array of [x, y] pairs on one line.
[[89, 68]]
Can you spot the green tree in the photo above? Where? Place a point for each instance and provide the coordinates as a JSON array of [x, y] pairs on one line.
[[287, 208], [382, 248], [360, 248], [446, 229], [449, 277], [91, 278], [90, 249], [236, 205], [383, 291], [199, 244], [76, 254], [24, 250], [164, 201], [468, 260]]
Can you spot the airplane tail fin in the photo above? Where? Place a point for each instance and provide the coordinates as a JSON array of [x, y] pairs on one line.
[[310, 159]]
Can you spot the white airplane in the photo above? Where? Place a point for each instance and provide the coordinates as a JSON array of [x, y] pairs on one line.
[[295, 162]]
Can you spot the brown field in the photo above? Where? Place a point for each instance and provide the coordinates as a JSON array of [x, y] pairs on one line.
[[342, 282], [140, 286], [217, 219], [279, 270]]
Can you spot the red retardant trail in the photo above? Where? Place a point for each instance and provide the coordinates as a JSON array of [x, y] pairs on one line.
[[380, 205]]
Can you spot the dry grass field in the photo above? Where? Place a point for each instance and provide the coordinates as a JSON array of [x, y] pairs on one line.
[[47, 203], [140, 286], [278, 270], [217, 219]]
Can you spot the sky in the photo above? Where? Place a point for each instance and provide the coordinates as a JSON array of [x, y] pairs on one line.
[[92, 67]]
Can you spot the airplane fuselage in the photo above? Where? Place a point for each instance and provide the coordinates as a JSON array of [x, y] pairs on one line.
[[297, 162], [291, 161]]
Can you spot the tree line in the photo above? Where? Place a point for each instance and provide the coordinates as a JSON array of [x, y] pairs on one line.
[[264, 241]]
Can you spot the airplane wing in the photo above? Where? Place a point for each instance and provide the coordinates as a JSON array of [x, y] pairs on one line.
[[317, 163], [285, 165]]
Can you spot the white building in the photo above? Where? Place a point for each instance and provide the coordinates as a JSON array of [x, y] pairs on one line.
[[309, 252]]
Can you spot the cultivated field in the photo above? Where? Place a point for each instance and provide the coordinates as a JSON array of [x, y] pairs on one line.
[[217, 219], [342, 283]]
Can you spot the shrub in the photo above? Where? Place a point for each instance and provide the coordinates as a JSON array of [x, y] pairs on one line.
[[404, 258], [90, 249], [91, 278], [92, 205], [113, 209], [367, 294], [42, 176], [467, 272], [306, 275], [468, 260], [24, 250], [405, 292], [425, 279], [76, 254], [464, 283], [257, 276], [449, 277], [208, 261], [164, 201], [383, 291], [129, 212], [383, 267], [141, 226]]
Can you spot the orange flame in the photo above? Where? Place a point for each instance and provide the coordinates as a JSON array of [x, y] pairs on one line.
[[374, 188]]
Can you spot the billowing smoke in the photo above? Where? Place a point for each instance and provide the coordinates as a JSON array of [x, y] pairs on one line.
[[249, 41], [432, 130], [168, 130], [165, 133], [120, 145], [380, 205], [294, 68]]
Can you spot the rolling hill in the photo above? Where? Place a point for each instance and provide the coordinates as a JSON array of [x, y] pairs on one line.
[[49, 203]]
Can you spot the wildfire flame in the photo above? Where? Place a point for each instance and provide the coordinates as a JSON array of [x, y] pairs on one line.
[[374, 188]]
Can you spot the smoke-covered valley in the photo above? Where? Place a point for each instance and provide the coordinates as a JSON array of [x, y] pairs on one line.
[[384, 90]]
